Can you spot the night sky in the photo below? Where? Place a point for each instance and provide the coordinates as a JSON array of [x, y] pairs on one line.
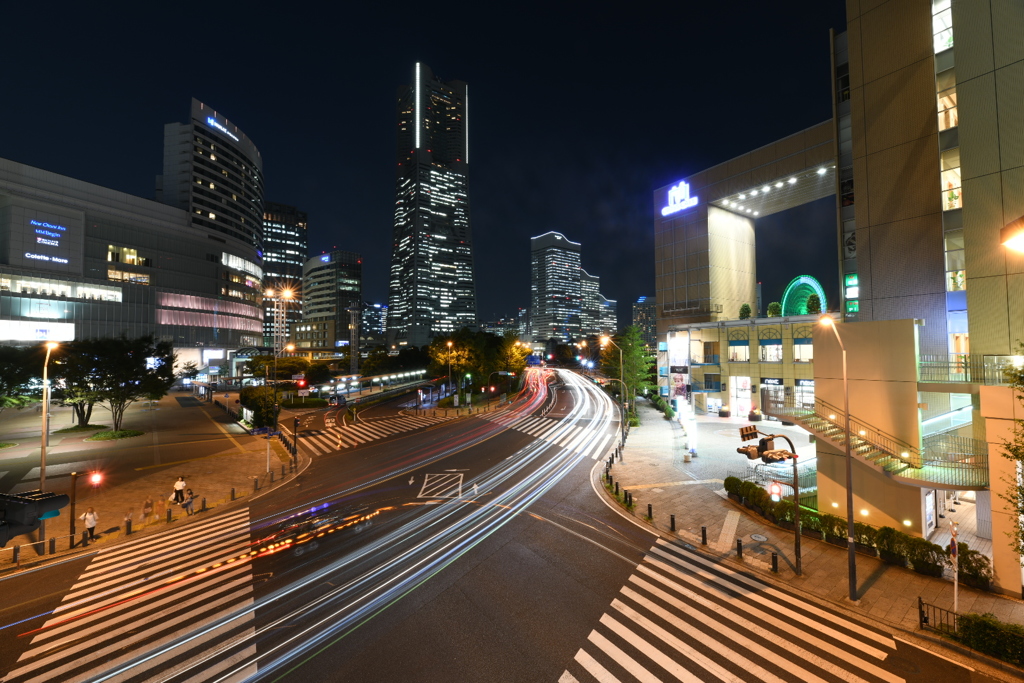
[[577, 112]]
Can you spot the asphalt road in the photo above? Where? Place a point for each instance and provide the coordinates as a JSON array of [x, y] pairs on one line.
[[473, 550]]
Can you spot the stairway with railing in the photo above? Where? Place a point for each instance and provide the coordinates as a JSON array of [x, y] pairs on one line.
[[944, 461]]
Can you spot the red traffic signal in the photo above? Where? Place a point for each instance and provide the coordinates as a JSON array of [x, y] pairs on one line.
[[775, 489], [301, 382]]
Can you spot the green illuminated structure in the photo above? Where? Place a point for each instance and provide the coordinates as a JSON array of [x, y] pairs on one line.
[[794, 299]]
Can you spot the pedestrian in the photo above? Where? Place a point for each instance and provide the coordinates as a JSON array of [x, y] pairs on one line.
[[187, 502], [90, 518], [147, 509], [179, 491]]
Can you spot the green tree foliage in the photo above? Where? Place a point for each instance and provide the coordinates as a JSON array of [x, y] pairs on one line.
[[18, 367], [814, 304], [774, 309], [745, 312], [318, 373], [263, 366], [1014, 450], [133, 369], [637, 364], [262, 401], [77, 370], [188, 370], [480, 355]]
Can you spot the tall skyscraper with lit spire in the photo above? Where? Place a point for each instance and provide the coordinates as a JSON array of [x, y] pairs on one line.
[[432, 289]]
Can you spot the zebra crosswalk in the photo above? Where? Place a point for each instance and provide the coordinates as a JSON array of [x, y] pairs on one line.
[[683, 617], [139, 597], [547, 429], [338, 438]]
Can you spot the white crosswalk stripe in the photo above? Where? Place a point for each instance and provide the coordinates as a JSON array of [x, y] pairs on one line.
[[349, 436], [683, 617], [137, 597]]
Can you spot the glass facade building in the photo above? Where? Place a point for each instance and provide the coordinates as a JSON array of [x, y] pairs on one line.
[[285, 251], [332, 283], [432, 287]]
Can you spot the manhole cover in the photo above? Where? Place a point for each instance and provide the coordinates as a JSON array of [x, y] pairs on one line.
[[760, 538]]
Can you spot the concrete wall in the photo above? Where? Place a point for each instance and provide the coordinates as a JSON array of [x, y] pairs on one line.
[[1000, 408]]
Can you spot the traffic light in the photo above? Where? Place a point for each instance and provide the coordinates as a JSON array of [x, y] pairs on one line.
[[775, 489], [20, 514], [296, 425], [301, 383], [749, 451]]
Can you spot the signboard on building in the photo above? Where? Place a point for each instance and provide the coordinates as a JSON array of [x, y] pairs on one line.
[[805, 382], [679, 199], [43, 240], [772, 381], [36, 330]]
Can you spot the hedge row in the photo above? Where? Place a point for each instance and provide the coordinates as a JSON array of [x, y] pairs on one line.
[[986, 634], [892, 544], [663, 405]]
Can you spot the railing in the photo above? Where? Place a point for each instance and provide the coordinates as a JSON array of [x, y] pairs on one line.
[[966, 368], [950, 460], [710, 359], [698, 386], [935, 618]]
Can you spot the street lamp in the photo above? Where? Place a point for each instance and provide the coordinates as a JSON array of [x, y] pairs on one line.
[[449, 367], [827, 321], [50, 346], [622, 405]]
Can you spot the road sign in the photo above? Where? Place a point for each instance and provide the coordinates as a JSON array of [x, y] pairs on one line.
[[303, 392], [298, 377]]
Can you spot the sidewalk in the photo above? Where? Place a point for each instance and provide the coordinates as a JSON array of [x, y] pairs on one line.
[[654, 472], [242, 461]]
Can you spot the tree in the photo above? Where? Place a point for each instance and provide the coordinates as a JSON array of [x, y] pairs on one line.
[[774, 309], [77, 370], [1014, 450], [133, 369], [17, 369], [637, 364], [814, 304], [262, 401], [318, 373], [263, 366], [745, 311], [189, 370]]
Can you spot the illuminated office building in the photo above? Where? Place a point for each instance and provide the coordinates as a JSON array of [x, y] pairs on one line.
[[645, 318], [556, 288], [332, 288], [432, 288], [285, 251]]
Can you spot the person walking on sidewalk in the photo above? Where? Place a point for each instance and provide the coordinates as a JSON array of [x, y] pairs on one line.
[[188, 501], [147, 509], [179, 490], [91, 519]]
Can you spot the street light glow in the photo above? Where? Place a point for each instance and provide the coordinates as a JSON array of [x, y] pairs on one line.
[[826, 320]]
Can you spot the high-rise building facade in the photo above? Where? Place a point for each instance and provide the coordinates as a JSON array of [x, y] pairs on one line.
[[213, 171], [432, 286], [332, 288], [375, 318], [555, 288], [645, 317], [285, 251]]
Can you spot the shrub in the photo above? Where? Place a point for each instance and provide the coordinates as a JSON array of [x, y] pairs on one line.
[[975, 569], [986, 634], [634, 421], [832, 526], [732, 485], [923, 554], [810, 520], [749, 489], [891, 541], [864, 533], [774, 309], [783, 511], [310, 402], [745, 311], [669, 413]]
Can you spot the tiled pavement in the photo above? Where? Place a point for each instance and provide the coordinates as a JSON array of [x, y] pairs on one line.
[[654, 471]]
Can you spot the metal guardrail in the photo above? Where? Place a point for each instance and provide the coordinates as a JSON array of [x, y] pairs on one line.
[[932, 618], [943, 460], [966, 368]]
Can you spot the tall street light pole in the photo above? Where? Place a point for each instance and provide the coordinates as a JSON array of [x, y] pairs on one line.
[[827, 321], [622, 405], [449, 367], [50, 346]]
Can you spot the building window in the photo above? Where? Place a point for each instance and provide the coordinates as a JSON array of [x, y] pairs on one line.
[[126, 255], [771, 353], [942, 25], [950, 167], [739, 352], [803, 351], [125, 276], [956, 280], [946, 86]]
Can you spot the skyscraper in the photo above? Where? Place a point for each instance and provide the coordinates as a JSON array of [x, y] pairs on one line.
[[645, 316], [285, 250], [556, 288], [432, 289], [332, 284], [213, 171]]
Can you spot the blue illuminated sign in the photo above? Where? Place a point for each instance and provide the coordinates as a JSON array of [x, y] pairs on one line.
[[219, 126], [678, 199], [325, 258]]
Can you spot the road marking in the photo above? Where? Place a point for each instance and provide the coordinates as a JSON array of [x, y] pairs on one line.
[[594, 668], [622, 659], [441, 486], [688, 482], [725, 539]]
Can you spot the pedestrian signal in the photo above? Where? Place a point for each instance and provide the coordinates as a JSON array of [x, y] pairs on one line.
[[775, 489]]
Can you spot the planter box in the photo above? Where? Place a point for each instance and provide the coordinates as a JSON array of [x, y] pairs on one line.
[[755, 417], [890, 558], [836, 541], [724, 413], [758, 509], [786, 525], [737, 497], [869, 550], [975, 583], [928, 569], [811, 533]]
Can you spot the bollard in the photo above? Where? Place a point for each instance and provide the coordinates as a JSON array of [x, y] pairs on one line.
[[85, 539], [672, 522], [775, 562], [168, 515], [232, 493], [271, 476], [650, 511], [17, 554], [127, 527], [739, 548], [203, 507], [616, 488], [703, 535], [53, 546], [282, 471], [255, 484]]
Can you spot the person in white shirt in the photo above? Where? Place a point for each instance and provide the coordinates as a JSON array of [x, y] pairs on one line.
[[179, 490], [90, 518]]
